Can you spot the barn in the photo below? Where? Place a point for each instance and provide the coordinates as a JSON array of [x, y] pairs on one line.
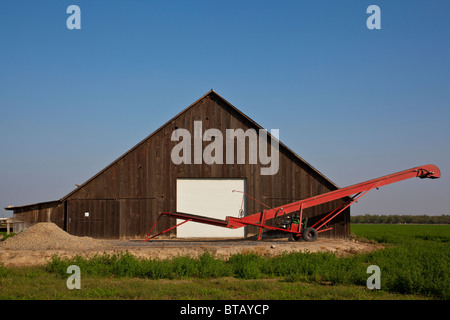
[[183, 166]]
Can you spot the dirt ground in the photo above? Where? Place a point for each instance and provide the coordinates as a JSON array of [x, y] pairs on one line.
[[37, 244]]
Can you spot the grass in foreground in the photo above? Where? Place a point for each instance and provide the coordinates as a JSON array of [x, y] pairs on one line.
[[36, 283], [414, 265]]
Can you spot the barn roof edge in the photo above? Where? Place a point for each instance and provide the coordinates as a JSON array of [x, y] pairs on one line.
[[210, 92]]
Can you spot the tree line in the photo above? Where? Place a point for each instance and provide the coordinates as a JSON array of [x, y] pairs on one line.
[[403, 219]]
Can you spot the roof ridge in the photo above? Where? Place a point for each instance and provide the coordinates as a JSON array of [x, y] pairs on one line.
[[211, 91]]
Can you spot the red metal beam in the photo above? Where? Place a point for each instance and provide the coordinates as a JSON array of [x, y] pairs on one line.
[[426, 171], [148, 238], [197, 218], [258, 219]]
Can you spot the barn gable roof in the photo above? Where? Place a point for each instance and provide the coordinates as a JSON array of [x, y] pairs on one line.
[[232, 108]]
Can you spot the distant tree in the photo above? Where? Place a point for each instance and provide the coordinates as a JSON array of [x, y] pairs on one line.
[[411, 219]]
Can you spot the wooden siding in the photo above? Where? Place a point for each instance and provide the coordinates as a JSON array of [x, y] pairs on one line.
[[102, 222], [27, 216], [127, 196]]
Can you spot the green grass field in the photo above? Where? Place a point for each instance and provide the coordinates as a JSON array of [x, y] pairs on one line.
[[414, 265], [416, 260], [402, 233]]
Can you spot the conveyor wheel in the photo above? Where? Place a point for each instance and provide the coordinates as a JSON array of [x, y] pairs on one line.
[[310, 234]]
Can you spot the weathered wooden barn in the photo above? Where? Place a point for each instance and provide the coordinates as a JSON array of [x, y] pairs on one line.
[[125, 199]]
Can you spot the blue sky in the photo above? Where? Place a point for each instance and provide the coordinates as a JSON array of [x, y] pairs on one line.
[[355, 103]]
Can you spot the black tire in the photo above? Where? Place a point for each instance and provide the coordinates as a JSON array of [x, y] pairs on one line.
[[310, 234]]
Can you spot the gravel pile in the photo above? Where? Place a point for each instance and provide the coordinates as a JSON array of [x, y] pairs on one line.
[[48, 236]]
